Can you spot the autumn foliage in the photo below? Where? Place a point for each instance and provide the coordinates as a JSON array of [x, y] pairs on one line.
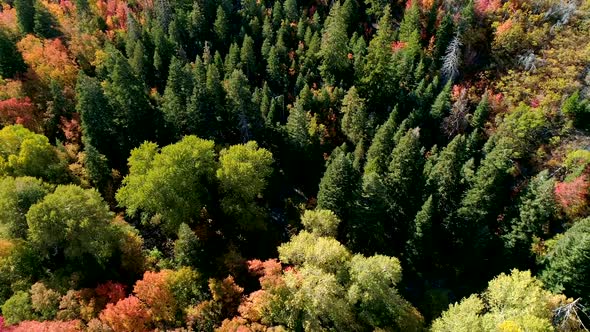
[[573, 195]]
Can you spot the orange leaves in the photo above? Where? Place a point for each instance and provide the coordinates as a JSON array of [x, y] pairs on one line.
[[155, 292], [114, 12], [8, 18], [49, 60], [129, 314], [398, 46], [487, 6], [46, 326]]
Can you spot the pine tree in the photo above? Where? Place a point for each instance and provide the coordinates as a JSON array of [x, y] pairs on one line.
[[339, 186], [410, 22], [354, 121], [232, 60], [334, 50], [98, 119], [188, 248], [381, 146], [43, 22], [248, 57], [298, 126], [404, 185], [25, 15], [11, 61], [179, 88], [291, 11], [442, 104], [221, 26]]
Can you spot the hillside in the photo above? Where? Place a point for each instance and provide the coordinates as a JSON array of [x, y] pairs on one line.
[[258, 165]]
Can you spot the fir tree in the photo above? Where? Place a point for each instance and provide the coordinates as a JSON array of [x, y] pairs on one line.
[[25, 15]]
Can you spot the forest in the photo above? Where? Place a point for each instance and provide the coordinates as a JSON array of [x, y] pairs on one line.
[[294, 165]]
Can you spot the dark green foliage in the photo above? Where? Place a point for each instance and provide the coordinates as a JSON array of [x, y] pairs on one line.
[[179, 88], [567, 261], [16, 197], [25, 15], [578, 110], [537, 210], [98, 118], [339, 186], [11, 61], [45, 24], [404, 182], [187, 248]]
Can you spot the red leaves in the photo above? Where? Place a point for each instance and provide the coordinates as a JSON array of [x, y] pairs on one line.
[[112, 291], [18, 111], [129, 314], [398, 46], [573, 195]]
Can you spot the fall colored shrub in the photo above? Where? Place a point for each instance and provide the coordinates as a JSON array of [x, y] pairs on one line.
[[573, 196], [129, 314]]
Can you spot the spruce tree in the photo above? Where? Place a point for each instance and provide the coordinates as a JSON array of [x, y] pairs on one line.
[[11, 61], [179, 88], [354, 120], [334, 50], [339, 186], [25, 15], [381, 146], [404, 185]]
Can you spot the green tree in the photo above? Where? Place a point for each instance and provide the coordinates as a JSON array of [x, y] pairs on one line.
[[242, 174], [567, 265], [172, 183], [45, 301], [44, 25], [354, 121], [291, 11], [98, 118], [18, 308], [410, 22], [188, 249], [537, 210], [25, 15], [334, 47], [11, 61], [515, 302], [179, 89], [404, 183], [126, 95], [340, 185], [320, 222], [24, 153], [16, 197], [248, 57], [381, 146], [221, 26], [73, 222]]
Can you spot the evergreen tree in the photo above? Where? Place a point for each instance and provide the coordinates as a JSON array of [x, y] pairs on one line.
[[176, 97], [44, 25], [404, 185], [382, 145], [291, 11], [221, 26], [25, 15], [567, 261], [339, 186], [354, 121], [410, 22], [188, 249], [11, 61], [334, 50], [248, 57], [98, 119]]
